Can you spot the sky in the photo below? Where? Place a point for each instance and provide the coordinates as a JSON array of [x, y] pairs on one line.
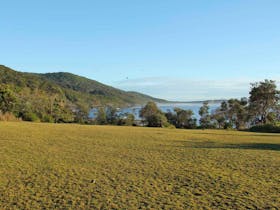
[[171, 49]]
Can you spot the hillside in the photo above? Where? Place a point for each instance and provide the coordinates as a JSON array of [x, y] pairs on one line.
[[107, 93], [64, 93]]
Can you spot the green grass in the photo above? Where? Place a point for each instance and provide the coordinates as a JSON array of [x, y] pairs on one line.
[[48, 166]]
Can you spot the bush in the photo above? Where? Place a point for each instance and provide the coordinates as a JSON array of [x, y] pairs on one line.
[[157, 120], [30, 116], [267, 128], [8, 117], [48, 119]]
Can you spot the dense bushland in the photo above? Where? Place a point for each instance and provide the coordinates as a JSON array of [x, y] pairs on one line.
[[58, 97]]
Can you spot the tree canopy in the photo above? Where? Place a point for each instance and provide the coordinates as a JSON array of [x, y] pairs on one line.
[[152, 115], [264, 100]]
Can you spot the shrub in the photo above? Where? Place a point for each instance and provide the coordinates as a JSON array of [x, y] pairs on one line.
[[47, 118], [8, 117], [266, 128], [30, 116]]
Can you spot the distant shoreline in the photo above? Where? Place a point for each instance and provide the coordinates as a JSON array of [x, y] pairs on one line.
[[194, 102]]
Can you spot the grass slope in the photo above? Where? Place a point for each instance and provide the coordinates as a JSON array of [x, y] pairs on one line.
[[93, 167]]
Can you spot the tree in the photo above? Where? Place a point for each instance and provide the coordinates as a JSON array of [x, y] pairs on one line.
[[112, 115], [149, 109], [152, 116], [7, 99], [101, 116], [157, 120], [129, 120], [219, 117], [205, 119], [237, 113], [171, 117], [81, 114], [224, 106], [60, 112], [264, 99], [184, 118], [126, 119]]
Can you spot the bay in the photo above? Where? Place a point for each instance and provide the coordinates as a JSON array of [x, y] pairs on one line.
[[165, 107]]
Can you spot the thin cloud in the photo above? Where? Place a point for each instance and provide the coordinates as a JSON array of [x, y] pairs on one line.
[[187, 89]]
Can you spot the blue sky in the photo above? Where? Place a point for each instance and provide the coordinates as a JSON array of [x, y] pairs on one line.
[[173, 49]]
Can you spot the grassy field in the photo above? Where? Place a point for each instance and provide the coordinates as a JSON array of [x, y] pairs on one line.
[[48, 166]]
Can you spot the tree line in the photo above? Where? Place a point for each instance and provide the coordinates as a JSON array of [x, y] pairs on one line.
[[261, 108]]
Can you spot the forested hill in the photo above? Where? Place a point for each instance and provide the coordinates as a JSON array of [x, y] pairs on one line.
[[45, 94], [104, 93]]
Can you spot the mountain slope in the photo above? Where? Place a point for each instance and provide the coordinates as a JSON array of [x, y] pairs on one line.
[[87, 86], [62, 95]]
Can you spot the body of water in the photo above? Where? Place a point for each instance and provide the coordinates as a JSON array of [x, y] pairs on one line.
[[165, 107]]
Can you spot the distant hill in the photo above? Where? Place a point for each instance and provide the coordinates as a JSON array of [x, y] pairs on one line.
[[104, 94], [44, 93]]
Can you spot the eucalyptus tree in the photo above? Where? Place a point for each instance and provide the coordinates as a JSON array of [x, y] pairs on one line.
[[205, 117], [264, 100], [238, 113], [7, 99], [184, 118], [153, 116]]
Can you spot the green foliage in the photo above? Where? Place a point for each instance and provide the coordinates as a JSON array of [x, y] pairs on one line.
[[47, 118], [101, 118], [185, 118], [102, 94], [64, 98], [221, 116], [156, 120], [264, 99], [181, 118], [152, 115], [237, 113], [59, 97], [129, 120], [266, 128], [126, 119], [149, 109], [112, 115], [30, 116], [7, 99], [240, 114], [205, 118]]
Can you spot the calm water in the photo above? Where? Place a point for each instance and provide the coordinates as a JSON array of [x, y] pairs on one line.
[[165, 107]]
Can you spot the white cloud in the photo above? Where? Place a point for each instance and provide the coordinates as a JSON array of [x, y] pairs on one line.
[[186, 89]]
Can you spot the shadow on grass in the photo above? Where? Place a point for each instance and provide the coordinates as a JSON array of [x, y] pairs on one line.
[[213, 145], [245, 135]]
